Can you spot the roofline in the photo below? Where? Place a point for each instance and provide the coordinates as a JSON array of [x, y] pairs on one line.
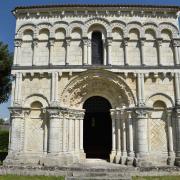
[[168, 7]]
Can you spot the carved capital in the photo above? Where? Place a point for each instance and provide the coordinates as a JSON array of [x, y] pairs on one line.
[[176, 42], [51, 42], [35, 43], [109, 42], [53, 112], [159, 41], [85, 41], [68, 41], [143, 112], [17, 42], [125, 41], [19, 112]]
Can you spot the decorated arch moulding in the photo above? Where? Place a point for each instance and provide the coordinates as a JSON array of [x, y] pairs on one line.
[[97, 83], [159, 97], [24, 27], [118, 24], [60, 25], [135, 25], [76, 24], [33, 98], [101, 21], [171, 27], [45, 25], [153, 26]]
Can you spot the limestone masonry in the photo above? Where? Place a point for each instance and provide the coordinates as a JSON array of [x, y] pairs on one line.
[[96, 81]]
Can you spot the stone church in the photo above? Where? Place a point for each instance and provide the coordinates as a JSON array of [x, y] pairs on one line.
[[96, 81]]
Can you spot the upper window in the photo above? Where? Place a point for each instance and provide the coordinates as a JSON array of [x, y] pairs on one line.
[[97, 48]]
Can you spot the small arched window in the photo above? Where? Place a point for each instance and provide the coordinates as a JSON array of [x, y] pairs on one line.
[[97, 48]]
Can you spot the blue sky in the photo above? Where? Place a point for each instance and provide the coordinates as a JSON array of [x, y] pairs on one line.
[[8, 21]]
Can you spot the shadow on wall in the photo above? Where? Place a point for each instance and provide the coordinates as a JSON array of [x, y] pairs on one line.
[[4, 140]]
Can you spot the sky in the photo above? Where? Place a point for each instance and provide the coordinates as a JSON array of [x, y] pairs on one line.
[[7, 29]]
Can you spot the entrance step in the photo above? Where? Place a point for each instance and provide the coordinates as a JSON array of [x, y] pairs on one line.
[[97, 178]]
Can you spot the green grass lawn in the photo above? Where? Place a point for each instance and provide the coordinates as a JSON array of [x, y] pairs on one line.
[[157, 178], [11, 177]]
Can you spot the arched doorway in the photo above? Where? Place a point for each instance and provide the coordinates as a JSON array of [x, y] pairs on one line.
[[97, 128], [97, 48]]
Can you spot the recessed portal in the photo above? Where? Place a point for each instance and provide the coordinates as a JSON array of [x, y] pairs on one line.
[[97, 128]]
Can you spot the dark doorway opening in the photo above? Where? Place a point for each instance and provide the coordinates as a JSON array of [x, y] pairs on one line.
[[97, 128], [97, 48]]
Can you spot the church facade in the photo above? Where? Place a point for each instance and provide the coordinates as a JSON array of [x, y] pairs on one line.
[[96, 81]]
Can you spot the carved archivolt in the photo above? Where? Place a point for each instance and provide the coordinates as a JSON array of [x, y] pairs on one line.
[[108, 26], [97, 83]]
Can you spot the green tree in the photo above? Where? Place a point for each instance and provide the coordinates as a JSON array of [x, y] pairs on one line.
[[1, 121], [6, 59]]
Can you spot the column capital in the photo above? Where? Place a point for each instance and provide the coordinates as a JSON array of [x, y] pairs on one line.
[[68, 41], [125, 41], [51, 41], [35, 42], [17, 42], [109, 41], [19, 112], [53, 112], [143, 112], [159, 41], [176, 42], [85, 40], [142, 40]]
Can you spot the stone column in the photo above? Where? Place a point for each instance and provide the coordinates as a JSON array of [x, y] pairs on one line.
[[68, 42], [109, 46], [70, 130], [124, 142], [171, 155], [65, 126], [113, 151], [177, 88], [76, 133], [81, 118], [177, 119], [17, 130], [159, 44], [142, 136], [54, 130], [104, 52], [18, 87], [51, 51], [118, 135], [54, 88], [85, 51], [89, 52], [176, 45], [130, 136], [35, 52], [142, 50], [140, 89], [125, 43], [17, 47]]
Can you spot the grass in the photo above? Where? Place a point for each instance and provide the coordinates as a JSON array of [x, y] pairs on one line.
[[157, 178], [13, 177]]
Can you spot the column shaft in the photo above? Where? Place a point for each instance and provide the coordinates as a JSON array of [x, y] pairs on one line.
[[35, 54], [142, 51], [124, 138], [140, 89], [159, 44], [51, 51], [170, 133], [76, 136], [67, 51], [177, 88], [130, 125], [109, 43], [64, 133], [70, 134], [125, 43], [89, 52], [118, 126], [54, 130], [81, 132], [85, 53]]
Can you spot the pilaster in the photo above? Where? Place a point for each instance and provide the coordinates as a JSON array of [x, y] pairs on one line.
[[17, 47]]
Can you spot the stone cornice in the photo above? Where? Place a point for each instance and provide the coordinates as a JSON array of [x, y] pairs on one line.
[[94, 10]]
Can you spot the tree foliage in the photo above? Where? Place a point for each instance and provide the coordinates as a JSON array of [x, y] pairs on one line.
[[5, 72]]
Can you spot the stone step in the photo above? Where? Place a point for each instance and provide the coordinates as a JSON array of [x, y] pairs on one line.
[[97, 178], [100, 174]]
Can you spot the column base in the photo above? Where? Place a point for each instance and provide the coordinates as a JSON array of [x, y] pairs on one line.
[[118, 158], [177, 161], [142, 162], [171, 159], [112, 156]]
